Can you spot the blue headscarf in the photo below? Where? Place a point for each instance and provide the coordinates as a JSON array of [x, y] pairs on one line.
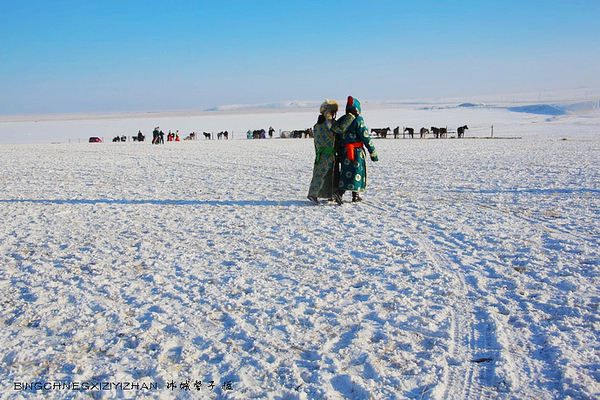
[[353, 106]]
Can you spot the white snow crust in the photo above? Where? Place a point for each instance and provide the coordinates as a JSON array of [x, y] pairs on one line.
[[469, 271]]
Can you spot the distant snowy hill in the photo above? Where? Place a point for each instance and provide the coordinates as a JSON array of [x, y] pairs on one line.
[[586, 107], [540, 108]]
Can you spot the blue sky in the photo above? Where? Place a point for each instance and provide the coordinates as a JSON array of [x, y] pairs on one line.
[[95, 56]]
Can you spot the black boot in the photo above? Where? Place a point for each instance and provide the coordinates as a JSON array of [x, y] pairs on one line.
[[313, 199], [355, 197], [337, 196]]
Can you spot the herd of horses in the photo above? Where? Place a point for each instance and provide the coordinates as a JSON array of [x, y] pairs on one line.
[[256, 134], [307, 133], [423, 132], [192, 136]]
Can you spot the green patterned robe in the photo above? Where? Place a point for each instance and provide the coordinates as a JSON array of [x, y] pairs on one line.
[[353, 175], [324, 180]]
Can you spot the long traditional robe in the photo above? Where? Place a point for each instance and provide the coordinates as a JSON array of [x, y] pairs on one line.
[[353, 138], [324, 179]]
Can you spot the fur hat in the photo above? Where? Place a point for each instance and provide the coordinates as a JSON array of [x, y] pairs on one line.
[[353, 106], [329, 108]]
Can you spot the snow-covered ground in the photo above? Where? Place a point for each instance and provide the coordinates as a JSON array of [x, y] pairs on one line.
[[471, 270]]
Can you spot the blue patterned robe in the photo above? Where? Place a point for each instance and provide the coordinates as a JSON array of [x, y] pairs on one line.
[[353, 174]]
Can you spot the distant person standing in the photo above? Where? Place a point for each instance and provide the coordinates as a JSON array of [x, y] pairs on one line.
[[353, 137], [155, 135], [325, 170]]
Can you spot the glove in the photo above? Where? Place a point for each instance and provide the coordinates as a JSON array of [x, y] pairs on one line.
[[374, 157]]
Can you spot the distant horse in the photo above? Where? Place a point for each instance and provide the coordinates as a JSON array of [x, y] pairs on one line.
[[423, 132], [206, 135], [396, 132], [300, 133], [443, 132], [223, 134], [258, 134], [411, 132], [381, 132], [461, 131], [437, 132]]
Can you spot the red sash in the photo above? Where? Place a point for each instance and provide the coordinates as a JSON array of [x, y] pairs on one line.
[[350, 147]]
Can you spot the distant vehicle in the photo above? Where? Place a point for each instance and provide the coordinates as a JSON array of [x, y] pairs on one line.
[[95, 139]]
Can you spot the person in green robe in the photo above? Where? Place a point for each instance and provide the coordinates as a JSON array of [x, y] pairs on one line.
[[325, 169], [353, 138]]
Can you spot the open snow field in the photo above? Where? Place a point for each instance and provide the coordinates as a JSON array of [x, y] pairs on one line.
[[198, 269]]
